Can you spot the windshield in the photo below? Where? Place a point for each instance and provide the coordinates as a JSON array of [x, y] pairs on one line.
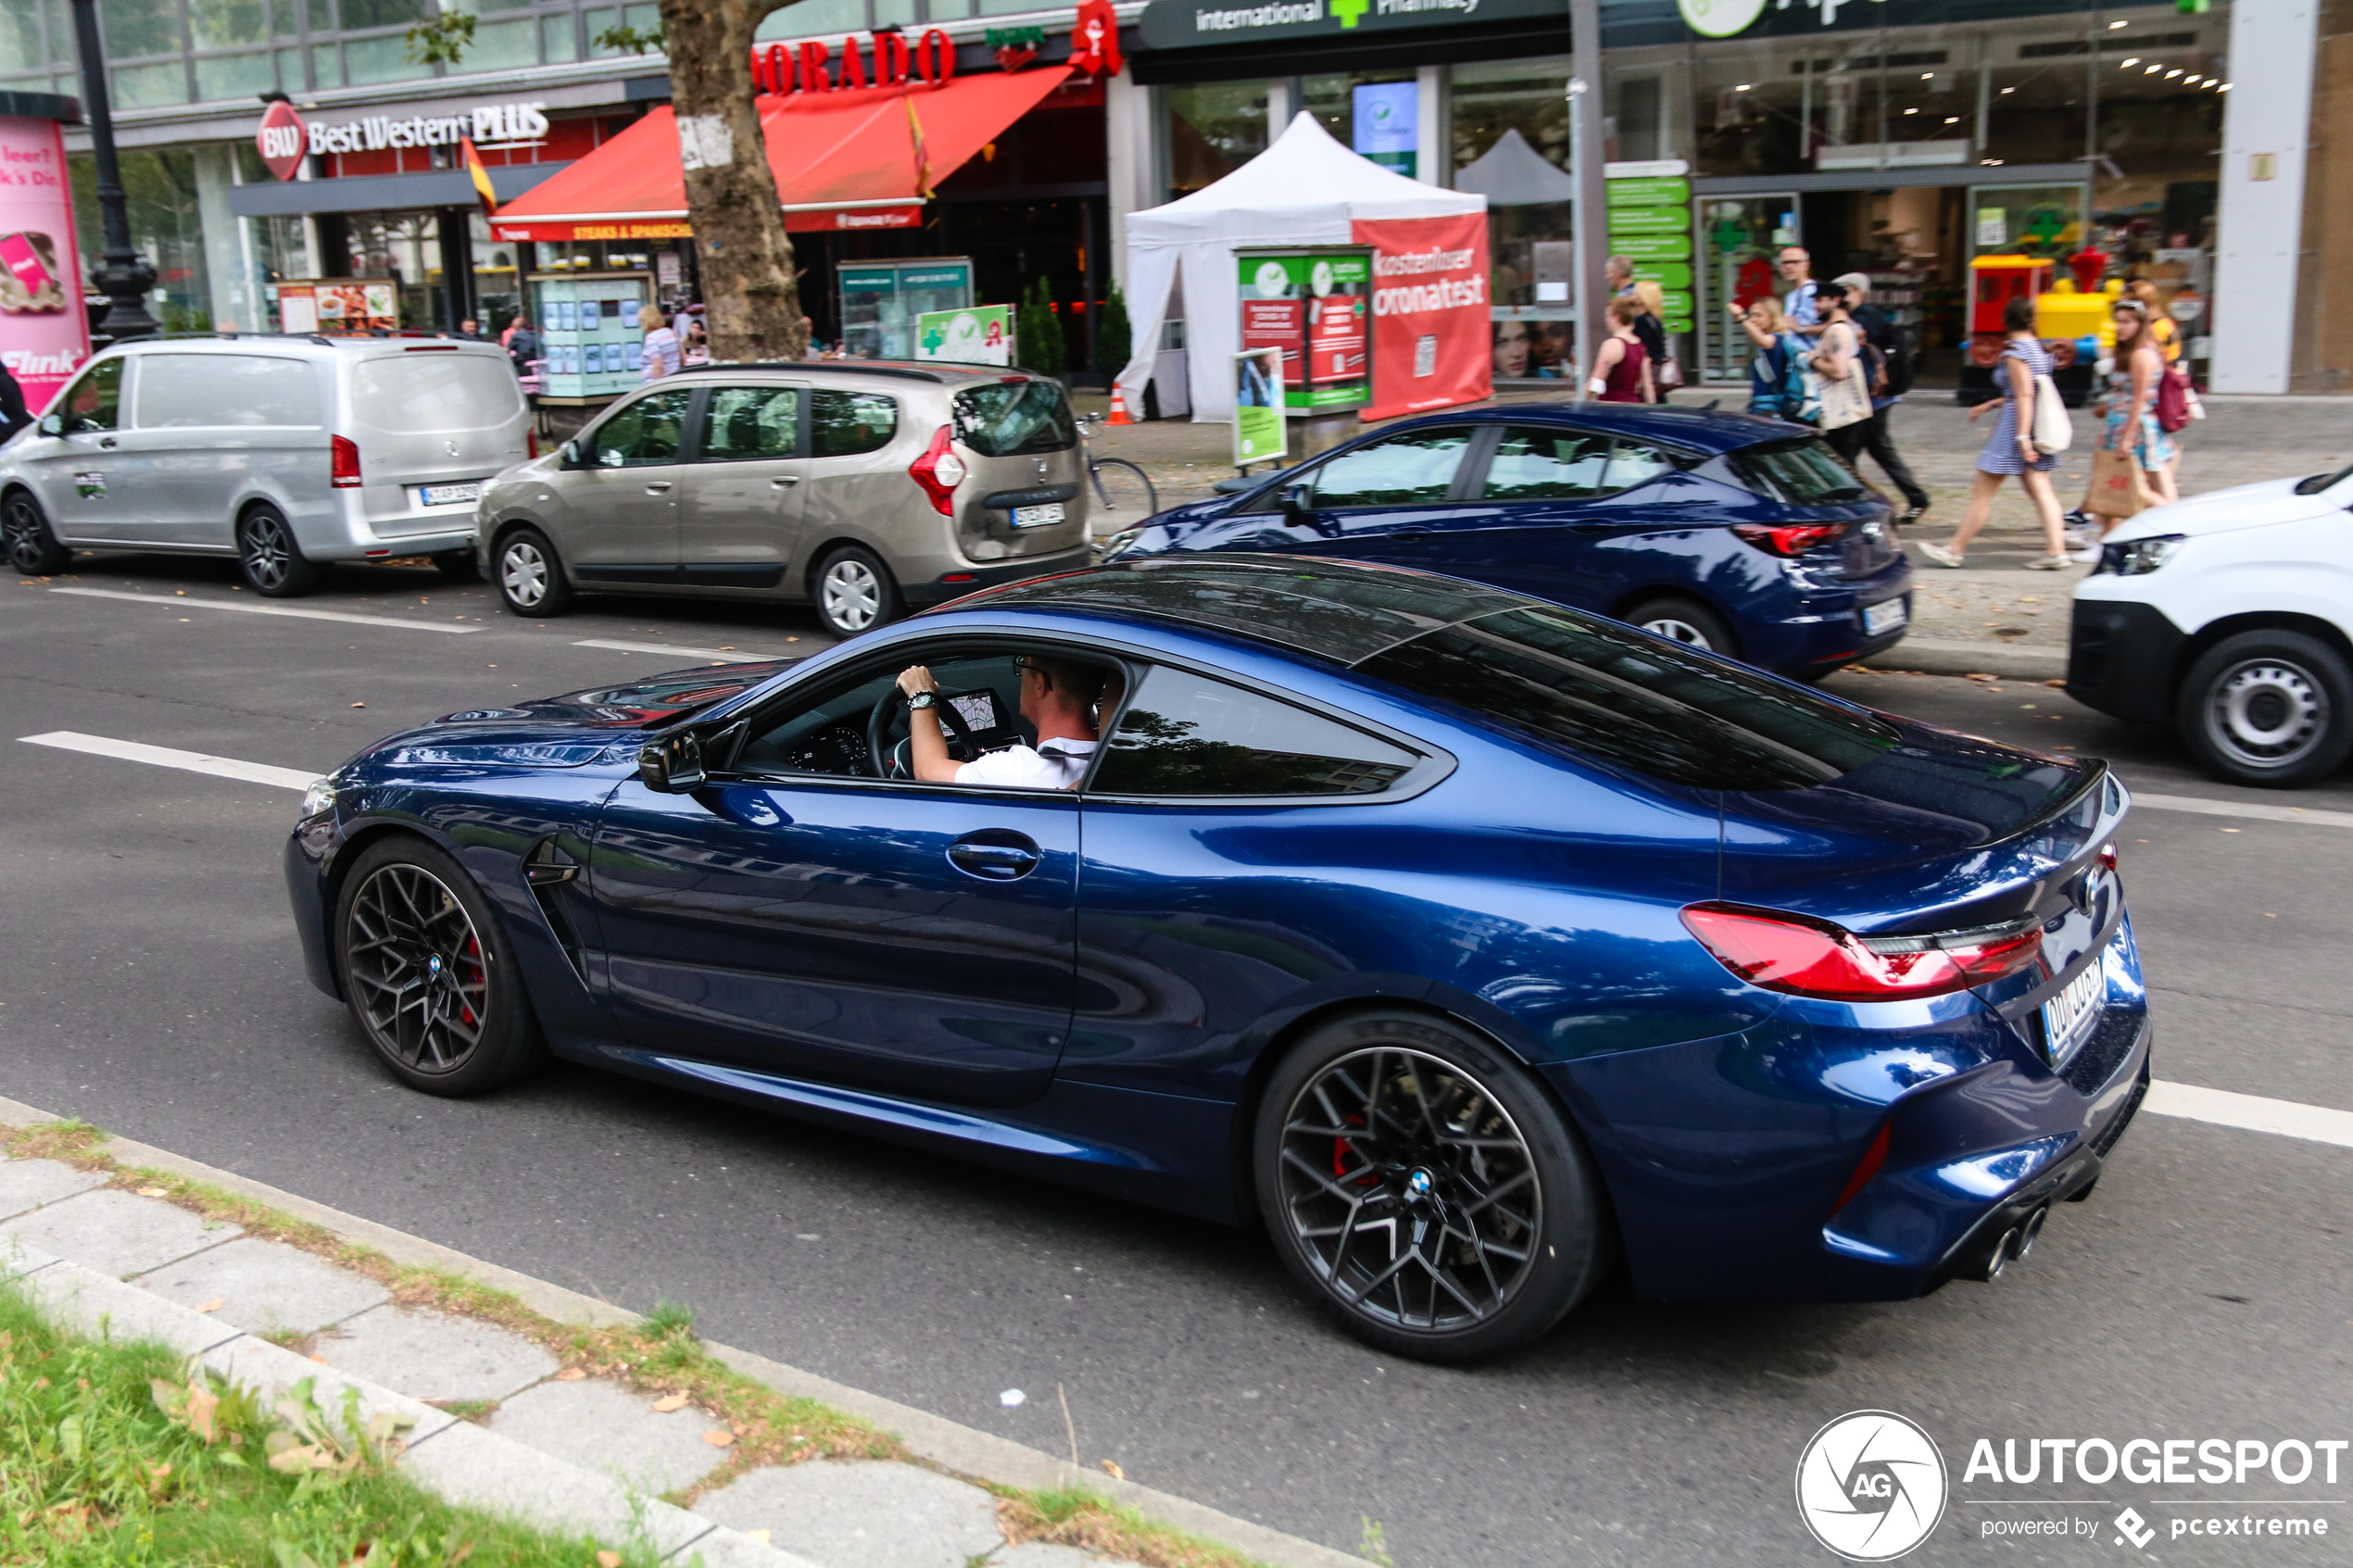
[[1011, 419], [1805, 472], [1588, 688], [2321, 481]]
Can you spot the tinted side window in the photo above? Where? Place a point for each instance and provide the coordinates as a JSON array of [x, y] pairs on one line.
[[1536, 464], [1188, 735], [645, 432], [1635, 462], [1802, 472], [178, 390], [751, 421], [1416, 467], [95, 402], [842, 424], [1591, 689]]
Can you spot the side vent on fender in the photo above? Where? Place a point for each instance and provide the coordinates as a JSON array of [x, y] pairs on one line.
[[546, 871]]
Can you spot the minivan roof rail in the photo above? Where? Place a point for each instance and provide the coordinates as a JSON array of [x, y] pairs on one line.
[[842, 366], [228, 337]]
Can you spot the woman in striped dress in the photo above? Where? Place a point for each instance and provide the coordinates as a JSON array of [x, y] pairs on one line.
[[2010, 449]]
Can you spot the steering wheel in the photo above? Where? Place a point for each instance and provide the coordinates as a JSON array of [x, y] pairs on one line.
[[878, 754]]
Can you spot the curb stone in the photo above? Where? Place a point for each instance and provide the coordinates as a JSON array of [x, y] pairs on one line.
[[1934, 656], [485, 1478]]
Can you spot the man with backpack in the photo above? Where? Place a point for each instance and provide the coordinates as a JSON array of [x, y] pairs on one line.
[[1887, 362]]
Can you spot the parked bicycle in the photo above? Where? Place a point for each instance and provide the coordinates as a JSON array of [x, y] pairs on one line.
[[1124, 495]]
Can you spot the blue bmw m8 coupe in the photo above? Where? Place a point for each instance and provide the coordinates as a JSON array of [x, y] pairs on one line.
[[1471, 945]]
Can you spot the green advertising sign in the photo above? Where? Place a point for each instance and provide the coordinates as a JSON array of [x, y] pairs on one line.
[[1650, 220], [1316, 307], [1639, 248], [1260, 435], [980, 335], [1677, 304], [1650, 191], [1666, 274]]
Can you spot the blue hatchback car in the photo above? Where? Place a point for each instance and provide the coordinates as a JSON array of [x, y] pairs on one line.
[[1745, 536], [1473, 945]]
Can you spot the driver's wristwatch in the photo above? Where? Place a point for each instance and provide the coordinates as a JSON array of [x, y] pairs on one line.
[[924, 699]]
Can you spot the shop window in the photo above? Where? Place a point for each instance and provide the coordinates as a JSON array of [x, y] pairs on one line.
[[504, 44], [140, 27], [290, 69], [20, 41], [235, 76], [813, 18], [326, 66], [357, 14], [322, 15], [559, 39], [1214, 129], [901, 13], [380, 59], [142, 87], [225, 24]]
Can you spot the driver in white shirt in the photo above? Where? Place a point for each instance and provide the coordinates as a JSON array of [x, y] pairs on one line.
[[1058, 697]]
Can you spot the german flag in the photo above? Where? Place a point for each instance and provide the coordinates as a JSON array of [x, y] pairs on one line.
[[923, 155], [480, 175]]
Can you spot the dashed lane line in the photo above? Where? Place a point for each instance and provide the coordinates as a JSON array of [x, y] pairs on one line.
[[724, 656], [177, 602], [172, 757]]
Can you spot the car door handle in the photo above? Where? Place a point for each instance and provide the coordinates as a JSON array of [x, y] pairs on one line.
[[1410, 535], [786, 481], [656, 486], [994, 855], [105, 443]]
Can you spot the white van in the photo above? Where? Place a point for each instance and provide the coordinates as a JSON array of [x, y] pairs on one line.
[[286, 452], [2229, 615]]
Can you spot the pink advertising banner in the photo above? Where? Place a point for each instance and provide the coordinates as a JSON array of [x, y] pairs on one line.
[[44, 333]]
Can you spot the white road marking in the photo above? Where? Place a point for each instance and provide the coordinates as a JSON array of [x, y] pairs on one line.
[[176, 602], [170, 756], [2248, 809], [2252, 1113], [724, 656]]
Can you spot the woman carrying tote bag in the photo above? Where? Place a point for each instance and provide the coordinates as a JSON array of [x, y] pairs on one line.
[[2028, 409]]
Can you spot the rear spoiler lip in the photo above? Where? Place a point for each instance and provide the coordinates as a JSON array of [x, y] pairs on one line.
[[2110, 800]]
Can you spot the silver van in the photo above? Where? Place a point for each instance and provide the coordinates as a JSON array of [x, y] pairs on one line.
[[286, 452], [859, 486]]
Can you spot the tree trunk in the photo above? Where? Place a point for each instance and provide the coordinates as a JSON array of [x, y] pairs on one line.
[[753, 303]]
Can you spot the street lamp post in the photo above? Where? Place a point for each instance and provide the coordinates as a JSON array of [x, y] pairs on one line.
[[123, 275]]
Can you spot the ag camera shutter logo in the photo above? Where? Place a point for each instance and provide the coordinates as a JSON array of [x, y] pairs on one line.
[[1871, 1486]]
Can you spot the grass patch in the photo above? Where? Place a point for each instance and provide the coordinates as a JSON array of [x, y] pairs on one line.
[[111, 1457], [1078, 1517]]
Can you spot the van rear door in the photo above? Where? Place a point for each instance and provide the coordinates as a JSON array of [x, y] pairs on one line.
[[433, 420]]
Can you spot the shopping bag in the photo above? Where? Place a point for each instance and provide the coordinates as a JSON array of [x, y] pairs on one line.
[[1669, 374], [2115, 484], [1846, 400], [2052, 431]]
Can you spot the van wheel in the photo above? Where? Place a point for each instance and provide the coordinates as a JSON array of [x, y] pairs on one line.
[[458, 566], [32, 549], [273, 563], [531, 580], [2268, 708], [855, 593], [1686, 621], [1425, 1188]]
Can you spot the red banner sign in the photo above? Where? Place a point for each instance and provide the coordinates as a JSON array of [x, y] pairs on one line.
[[1430, 316]]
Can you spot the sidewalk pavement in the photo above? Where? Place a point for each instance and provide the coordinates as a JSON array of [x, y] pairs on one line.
[[498, 1422]]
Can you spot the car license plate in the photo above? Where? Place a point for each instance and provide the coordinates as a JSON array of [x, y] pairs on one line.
[[1038, 517], [449, 495], [2069, 1016], [1885, 616]]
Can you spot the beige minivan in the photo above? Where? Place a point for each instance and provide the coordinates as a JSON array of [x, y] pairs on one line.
[[284, 451], [862, 487]]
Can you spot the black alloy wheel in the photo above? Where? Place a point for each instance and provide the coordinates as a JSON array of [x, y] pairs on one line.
[[426, 975], [272, 562], [32, 549], [2272, 708], [531, 580], [1425, 1188], [1687, 621]]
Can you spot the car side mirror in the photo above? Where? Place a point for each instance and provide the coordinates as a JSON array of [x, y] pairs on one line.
[[52, 424], [671, 765], [1298, 504], [572, 454]]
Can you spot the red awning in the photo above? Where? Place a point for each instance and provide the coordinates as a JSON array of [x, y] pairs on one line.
[[843, 161]]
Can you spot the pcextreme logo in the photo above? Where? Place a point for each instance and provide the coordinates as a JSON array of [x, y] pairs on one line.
[[1871, 1486]]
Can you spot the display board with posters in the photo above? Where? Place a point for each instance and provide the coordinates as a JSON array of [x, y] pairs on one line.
[[1260, 433], [339, 306], [980, 334], [592, 332], [1315, 309], [880, 301], [44, 333]]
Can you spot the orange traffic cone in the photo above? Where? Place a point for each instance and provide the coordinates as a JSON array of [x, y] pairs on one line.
[[1119, 414]]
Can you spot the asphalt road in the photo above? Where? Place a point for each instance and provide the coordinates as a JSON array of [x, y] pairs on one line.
[[152, 985]]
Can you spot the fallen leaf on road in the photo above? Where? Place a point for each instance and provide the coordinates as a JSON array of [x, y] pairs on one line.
[[1110, 1468], [759, 1535], [570, 1375], [153, 1192], [609, 1560], [359, 705], [669, 1402], [212, 1306], [720, 1439]]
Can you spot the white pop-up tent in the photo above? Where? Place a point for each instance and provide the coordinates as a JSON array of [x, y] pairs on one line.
[[1429, 265]]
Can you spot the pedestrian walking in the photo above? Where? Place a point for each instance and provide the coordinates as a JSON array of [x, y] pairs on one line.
[[1618, 273], [1651, 327], [1622, 370], [1797, 305], [1777, 349], [661, 346], [522, 346], [2136, 373], [2011, 449], [14, 415], [1887, 363]]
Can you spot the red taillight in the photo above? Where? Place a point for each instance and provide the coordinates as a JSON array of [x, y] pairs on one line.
[[1789, 538], [531, 444], [1811, 957], [345, 463], [1865, 1169], [939, 470], [2107, 857]]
